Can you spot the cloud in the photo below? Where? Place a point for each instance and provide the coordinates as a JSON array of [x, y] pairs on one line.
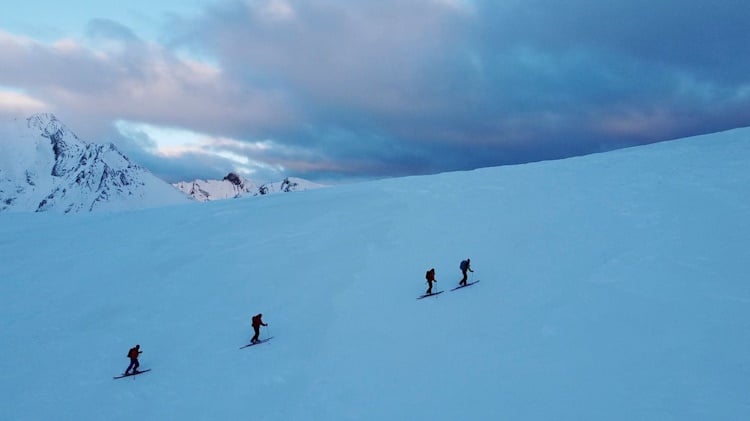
[[699, 36], [110, 30], [18, 103], [180, 145], [137, 81], [517, 75], [386, 88], [275, 10]]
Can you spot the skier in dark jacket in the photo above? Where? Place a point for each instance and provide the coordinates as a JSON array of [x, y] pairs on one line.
[[430, 276], [257, 323], [465, 266], [133, 355]]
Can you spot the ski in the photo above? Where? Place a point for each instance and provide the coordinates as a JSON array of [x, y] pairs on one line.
[[464, 286], [257, 343], [132, 374], [429, 295]]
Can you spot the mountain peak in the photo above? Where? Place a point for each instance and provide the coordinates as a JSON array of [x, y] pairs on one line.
[[53, 170], [234, 179], [46, 123]]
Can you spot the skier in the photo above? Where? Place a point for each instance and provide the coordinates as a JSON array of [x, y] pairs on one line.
[[430, 276], [465, 266], [133, 355], [257, 323]]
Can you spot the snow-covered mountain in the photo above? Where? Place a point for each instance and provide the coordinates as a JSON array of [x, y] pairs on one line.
[[44, 166], [234, 186], [287, 185]]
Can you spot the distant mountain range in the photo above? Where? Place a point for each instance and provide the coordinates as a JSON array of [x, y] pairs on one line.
[[235, 186], [44, 167]]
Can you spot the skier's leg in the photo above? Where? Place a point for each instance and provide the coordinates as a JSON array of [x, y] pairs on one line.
[[257, 333], [132, 365]]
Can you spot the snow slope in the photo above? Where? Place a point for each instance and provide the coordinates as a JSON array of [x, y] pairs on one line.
[[613, 287], [44, 166]]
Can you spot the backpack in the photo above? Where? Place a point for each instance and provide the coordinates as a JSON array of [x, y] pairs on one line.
[[464, 265]]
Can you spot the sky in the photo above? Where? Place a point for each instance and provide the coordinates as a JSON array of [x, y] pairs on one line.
[[636, 307], [334, 91]]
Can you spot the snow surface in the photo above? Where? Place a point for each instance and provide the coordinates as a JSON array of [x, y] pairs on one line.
[[613, 287]]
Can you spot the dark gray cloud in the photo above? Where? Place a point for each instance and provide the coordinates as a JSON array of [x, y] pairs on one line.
[[699, 36], [491, 83], [390, 88]]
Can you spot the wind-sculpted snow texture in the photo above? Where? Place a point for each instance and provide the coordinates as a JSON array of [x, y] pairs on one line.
[[46, 167], [614, 287]]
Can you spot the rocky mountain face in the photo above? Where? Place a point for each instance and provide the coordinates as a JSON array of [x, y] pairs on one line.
[[235, 186], [44, 166]]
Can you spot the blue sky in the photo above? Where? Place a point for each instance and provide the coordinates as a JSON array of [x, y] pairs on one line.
[[49, 20], [339, 90]]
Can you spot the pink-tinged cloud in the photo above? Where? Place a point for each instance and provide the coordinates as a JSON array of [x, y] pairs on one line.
[[17, 103], [137, 81]]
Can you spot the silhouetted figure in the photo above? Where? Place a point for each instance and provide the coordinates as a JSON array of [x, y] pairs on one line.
[[430, 276], [465, 266], [133, 355], [257, 323]]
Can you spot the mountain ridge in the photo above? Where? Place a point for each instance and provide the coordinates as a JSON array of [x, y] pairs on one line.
[[46, 167], [234, 186]]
